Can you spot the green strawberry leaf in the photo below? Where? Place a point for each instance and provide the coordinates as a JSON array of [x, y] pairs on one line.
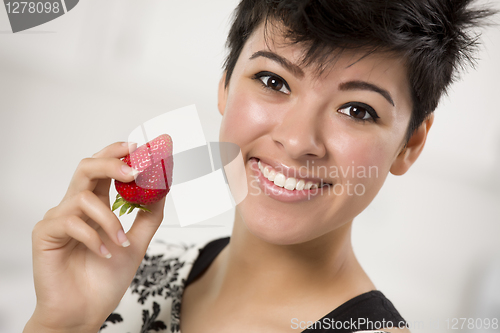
[[124, 208], [117, 204], [144, 209]]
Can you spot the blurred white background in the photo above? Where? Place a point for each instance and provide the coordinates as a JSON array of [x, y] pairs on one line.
[[430, 240]]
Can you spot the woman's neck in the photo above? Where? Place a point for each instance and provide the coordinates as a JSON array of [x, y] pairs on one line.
[[252, 267]]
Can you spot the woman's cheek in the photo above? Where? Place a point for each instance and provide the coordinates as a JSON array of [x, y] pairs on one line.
[[244, 119], [362, 163]]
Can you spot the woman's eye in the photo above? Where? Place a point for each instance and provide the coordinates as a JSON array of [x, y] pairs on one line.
[[359, 112], [273, 82]]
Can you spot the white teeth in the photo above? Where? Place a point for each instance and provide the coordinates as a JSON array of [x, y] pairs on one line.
[[266, 172], [290, 183], [272, 175], [279, 180]]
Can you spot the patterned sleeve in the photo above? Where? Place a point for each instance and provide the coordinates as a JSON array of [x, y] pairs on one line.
[[153, 300]]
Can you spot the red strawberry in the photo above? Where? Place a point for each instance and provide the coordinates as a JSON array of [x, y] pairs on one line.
[[155, 163]]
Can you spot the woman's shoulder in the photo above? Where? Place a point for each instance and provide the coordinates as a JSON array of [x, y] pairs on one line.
[[370, 312]]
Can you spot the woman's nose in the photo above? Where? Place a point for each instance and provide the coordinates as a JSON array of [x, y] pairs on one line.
[[299, 133]]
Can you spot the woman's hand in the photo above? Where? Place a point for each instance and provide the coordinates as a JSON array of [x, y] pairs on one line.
[[82, 260]]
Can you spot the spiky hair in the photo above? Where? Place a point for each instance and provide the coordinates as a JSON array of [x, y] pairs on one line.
[[436, 38]]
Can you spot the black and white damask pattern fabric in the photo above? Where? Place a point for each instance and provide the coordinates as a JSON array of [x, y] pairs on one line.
[[153, 301]]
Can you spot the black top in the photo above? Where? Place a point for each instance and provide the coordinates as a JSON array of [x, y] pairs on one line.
[[368, 311]]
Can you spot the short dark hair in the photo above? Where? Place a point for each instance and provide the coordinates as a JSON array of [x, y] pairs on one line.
[[435, 37]]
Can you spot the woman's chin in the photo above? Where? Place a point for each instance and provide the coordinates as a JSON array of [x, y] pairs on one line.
[[280, 233]]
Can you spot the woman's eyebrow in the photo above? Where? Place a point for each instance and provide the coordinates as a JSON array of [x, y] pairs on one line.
[[362, 85], [285, 63], [298, 72]]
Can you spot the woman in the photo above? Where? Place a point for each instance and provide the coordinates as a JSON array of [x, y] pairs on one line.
[[324, 99]]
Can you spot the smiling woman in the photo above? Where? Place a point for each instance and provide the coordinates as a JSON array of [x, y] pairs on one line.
[[325, 99], [339, 119]]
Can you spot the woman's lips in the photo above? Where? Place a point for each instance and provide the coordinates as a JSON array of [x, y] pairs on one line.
[[288, 174], [276, 192]]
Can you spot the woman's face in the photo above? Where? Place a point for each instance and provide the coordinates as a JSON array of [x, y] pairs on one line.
[[344, 128]]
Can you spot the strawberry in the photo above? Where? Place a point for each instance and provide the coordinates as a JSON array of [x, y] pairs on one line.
[[154, 163]]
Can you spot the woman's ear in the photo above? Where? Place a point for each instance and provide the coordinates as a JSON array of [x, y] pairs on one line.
[[412, 150], [222, 94]]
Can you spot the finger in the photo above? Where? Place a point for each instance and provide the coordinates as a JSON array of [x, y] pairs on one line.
[[102, 187], [87, 204], [91, 170], [116, 150], [113, 151], [56, 233], [145, 225]]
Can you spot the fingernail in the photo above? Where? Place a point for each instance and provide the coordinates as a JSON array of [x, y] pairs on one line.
[[128, 144], [105, 252], [122, 238], [129, 171]]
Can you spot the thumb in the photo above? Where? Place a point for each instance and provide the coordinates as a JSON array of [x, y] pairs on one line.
[[145, 225]]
